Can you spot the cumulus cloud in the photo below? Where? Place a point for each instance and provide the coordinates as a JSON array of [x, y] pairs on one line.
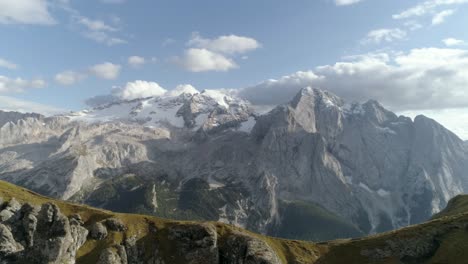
[[449, 42], [440, 17], [139, 89], [199, 60], [107, 70], [272, 92], [136, 61], [9, 85], [25, 12], [384, 35], [426, 7], [346, 2], [8, 64], [428, 78], [230, 44], [69, 77], [182, 88], [8, 103], [214, 54]]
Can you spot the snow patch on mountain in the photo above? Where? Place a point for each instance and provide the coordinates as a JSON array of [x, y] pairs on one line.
[[183, 107]]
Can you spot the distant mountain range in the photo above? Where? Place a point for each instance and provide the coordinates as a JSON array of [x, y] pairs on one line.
[[316, 168]]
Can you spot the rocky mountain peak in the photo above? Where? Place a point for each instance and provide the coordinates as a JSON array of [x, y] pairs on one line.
[[360, 162], [316, 97], [377, 113], [7, 116]]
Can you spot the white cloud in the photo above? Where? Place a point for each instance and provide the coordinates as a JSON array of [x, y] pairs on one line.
[[231, 44], [182, 88], [107, 70], [384, 34], [139, 89], [104, 38], [8, 64], [95, 25], [449, 42], [440, 17], [427, 7], [272, 92], [136, 61], [346, 2], [428, 78], [69, 77], [199, 60], [214, 54], [9, 85], [25, 12], [99, 30], [9, 103]]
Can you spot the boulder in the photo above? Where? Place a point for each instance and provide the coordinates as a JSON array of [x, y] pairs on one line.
[[98, 231], [114, 224]]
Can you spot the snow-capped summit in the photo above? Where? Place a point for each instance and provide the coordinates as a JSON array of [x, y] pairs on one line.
[[183, 107]]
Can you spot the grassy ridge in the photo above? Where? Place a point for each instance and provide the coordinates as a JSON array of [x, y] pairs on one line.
[[443, 240]]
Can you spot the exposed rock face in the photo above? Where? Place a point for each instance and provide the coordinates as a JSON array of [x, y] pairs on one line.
[[113, 255], [39, 235], [98, 231], [359, 161], [241, 249], [197, 243], [8, 245], [14, 117]]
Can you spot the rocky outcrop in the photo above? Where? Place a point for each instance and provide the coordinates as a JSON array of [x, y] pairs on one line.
[[115, 224], [98, 231], [42, 234], [197, 243], [113, 255], [241, 249]]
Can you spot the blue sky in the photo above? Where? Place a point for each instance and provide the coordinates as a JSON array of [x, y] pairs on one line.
[[410, 55]]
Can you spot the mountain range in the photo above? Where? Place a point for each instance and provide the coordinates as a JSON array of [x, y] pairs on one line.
[[316, 168]]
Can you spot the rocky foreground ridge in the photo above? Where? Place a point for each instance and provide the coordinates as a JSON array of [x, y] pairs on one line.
[[35, 229], [47, 231]]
